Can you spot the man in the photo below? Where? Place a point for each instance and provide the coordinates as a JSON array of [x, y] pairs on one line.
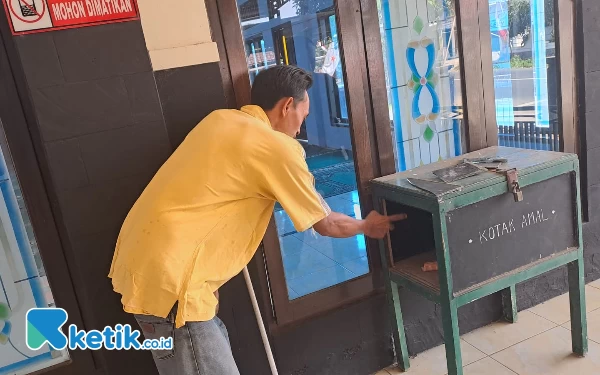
[[203, 215]]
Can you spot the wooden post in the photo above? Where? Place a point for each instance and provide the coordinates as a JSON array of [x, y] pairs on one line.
[[577, 303], [393, 299], [449, 305], [452, 337], [399, 333], [509, 304], [579, 339]]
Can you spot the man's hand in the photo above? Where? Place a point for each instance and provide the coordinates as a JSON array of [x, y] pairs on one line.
[[338, 225], [377, 226]]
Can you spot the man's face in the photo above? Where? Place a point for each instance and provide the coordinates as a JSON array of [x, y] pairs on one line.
[[296, 114]]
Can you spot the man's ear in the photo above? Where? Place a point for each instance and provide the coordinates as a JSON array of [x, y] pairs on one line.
[[287, 105]]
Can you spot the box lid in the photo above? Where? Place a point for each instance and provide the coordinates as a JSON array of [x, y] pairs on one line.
[[523, 160]]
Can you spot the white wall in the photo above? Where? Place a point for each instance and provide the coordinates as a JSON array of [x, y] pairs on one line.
[[177, 33]]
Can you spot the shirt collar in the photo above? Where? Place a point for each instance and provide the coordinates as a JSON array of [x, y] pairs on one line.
[[256, 112]]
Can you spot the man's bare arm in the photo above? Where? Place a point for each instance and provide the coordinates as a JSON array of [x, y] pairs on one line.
[[338, 225]]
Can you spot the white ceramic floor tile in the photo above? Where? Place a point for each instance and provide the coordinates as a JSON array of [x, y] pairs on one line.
[[305, 262], [284, 223], [487, 366], [358, 266], [322, 279], [290, 245], [292, 293], [344, 206], [501, 335], [593, 325], [550, 354], [339, 249], [557, 309], [433, 361], [595, 284], [351, 196]]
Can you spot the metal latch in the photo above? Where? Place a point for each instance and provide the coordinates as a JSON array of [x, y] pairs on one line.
[[512, 180]]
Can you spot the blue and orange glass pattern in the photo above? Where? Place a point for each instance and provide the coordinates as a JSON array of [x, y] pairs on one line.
[[418, 82]]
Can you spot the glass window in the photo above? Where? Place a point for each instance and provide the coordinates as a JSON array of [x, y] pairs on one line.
[[258, 56], [304, 33], [525, 73], [23, 283], [420, 46]]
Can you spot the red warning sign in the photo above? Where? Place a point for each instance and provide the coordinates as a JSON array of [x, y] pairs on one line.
[[27, 12], [31, 16]]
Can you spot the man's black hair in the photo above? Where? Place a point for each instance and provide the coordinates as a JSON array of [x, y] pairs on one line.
[[279, 82]]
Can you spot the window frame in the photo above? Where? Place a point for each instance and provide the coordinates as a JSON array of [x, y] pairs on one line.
[[566, 60], [268, 263]]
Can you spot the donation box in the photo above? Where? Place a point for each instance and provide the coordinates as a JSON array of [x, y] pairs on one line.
[[479, 224]]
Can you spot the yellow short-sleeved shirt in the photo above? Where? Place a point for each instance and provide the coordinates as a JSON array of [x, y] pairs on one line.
[[205, 212]]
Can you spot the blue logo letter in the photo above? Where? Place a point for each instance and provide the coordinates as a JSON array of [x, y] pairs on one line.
[[130, 338], [93, 339], [76, 338], [43, 326], [108, 338]]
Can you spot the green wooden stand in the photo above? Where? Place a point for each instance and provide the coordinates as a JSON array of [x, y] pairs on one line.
[[507, 264]]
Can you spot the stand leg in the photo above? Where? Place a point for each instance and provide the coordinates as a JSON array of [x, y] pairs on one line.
[[447, 302], [509, 304], [398, 330], [452, 337], [577, 301]]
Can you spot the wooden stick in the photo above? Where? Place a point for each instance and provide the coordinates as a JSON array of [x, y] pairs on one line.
[[259, 320]]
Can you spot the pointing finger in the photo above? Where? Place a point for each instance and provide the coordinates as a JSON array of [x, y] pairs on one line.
[[397, 217]]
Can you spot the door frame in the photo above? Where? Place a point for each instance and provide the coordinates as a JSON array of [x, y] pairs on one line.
[[227, 33], [566, 61]]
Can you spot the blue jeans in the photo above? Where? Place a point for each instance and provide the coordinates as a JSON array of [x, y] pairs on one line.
[[199, 348]]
